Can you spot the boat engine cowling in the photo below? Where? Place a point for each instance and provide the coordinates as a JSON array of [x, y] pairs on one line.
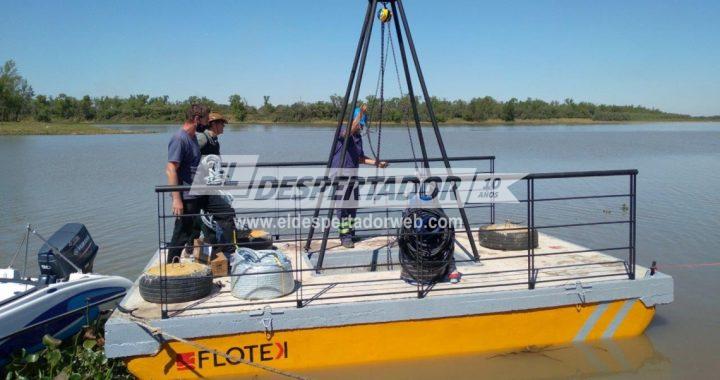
[[75, 243]]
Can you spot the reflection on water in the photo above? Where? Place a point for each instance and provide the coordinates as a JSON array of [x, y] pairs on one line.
[[107, 183], [618, 357]]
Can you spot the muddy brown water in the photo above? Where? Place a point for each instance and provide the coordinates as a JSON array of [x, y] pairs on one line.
[[106, 182]]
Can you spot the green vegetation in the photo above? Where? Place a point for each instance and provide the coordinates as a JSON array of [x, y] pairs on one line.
[[18, 102], [79, 357], [59, 128]]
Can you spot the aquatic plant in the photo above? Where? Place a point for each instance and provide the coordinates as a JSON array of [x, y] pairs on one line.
[[79, 357]]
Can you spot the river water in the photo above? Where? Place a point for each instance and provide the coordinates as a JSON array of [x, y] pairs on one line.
[[107, 181]]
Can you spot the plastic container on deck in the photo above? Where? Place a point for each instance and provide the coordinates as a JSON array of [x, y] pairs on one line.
[[262, 274]]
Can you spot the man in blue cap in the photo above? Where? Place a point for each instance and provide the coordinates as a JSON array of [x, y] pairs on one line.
[[353, 158]]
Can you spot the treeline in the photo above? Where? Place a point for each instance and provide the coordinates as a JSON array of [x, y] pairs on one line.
[[18, 102]]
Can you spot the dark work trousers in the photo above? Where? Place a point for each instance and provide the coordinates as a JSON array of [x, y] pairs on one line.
[[348, 210], [223, 223], [185, 225]]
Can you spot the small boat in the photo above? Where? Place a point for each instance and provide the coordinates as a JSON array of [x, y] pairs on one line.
[[63, 299]]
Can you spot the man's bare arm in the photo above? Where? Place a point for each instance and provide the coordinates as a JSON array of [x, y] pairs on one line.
[[369, 161], [171, 172]]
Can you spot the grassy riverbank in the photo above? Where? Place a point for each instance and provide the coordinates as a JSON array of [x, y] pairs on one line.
[[69, 128]]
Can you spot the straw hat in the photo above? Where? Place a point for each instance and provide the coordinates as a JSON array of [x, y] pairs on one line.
[[215, 116]]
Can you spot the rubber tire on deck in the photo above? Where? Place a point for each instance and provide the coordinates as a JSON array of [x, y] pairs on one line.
[[177, 288], [513, 240]]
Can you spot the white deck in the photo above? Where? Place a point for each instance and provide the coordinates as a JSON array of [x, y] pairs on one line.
[[493, 274]]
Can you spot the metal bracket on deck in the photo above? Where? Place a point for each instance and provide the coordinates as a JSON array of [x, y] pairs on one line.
[[580, 290], [267, 320]]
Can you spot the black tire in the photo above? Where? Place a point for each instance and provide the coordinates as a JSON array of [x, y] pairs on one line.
[[506, 237], [177, 289], [176, 296]]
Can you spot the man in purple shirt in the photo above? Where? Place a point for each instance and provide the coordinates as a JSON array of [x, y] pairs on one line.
[[353, 158], [183, 160]]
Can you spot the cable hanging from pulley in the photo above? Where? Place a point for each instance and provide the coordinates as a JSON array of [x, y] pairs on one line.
[[386, 44]]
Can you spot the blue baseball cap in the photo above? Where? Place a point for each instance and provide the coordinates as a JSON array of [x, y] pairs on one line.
[[363, 120]]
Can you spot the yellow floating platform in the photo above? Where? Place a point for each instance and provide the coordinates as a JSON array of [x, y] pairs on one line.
[[340, 320], [308, 349]]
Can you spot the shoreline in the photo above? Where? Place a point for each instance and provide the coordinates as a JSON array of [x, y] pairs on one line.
[[464, 123], [34, 128], [30, 128]]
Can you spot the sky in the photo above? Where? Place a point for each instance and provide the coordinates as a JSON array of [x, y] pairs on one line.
[[661, 53]]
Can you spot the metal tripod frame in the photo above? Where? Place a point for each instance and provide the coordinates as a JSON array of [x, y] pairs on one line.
[[356, 76]]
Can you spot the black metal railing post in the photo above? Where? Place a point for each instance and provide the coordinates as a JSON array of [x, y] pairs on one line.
[[162, 246], [633, 222], [530, 232], [298, 255], [492, 204]]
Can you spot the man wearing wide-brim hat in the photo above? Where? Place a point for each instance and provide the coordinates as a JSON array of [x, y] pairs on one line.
[[217, 206], [208, 139]]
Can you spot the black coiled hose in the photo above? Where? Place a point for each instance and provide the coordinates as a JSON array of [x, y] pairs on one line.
[[427, 241]]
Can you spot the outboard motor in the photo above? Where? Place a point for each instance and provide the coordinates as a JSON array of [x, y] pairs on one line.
[[75, 243]]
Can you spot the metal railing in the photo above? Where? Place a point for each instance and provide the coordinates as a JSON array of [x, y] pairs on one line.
[[531, 227], [506, 277]]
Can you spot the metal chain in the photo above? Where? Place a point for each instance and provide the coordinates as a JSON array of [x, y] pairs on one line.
[[380, 86]]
